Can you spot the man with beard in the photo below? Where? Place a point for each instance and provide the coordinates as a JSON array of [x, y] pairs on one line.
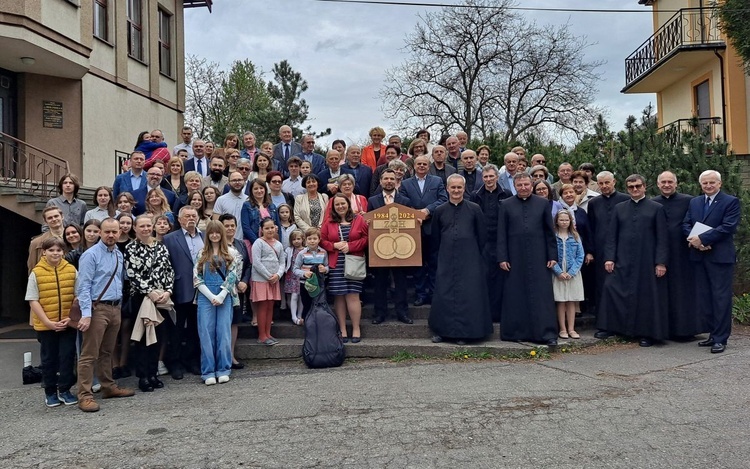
[[527, 251], [183, 246], [633, 302], [488, 197], [388, 196], [684, 320], [231, 202], [460, 308], [216, 178], [600, 215], [154, 179]]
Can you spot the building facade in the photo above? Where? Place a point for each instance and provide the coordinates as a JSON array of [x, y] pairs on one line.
[[694, 72]]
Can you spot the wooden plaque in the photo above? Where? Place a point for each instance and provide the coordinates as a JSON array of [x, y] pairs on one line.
[[395, 236]]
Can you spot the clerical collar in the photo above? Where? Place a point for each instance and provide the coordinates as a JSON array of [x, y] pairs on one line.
[[636, 201], [491, 190], [456, 204]]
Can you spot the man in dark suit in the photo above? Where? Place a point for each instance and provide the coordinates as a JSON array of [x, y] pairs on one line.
[[471, 173], [426, 193], [133, 179], [183, 246], [329, 177], [713, 255], [154, 179], [438, 166], [198, 162], [362, 172], [286, 148], [388, 196], [308, 154]]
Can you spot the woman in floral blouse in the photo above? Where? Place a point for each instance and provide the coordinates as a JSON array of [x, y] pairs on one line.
[[218, 267], [151, 274]]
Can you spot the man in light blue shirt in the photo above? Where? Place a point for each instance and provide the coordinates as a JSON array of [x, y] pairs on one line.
[[100, 301]]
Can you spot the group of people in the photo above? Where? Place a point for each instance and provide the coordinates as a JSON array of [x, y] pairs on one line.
[[255, 226]]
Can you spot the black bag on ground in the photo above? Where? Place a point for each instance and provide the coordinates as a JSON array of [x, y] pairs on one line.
[[31, 375], [323, 347]]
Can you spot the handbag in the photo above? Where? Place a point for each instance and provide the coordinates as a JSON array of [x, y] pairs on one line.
[[75, 315], [354, 266]]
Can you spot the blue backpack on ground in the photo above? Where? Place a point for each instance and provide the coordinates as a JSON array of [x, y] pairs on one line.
[[323, 347]]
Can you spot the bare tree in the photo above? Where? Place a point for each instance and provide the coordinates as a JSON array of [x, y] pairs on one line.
[[482, 68]]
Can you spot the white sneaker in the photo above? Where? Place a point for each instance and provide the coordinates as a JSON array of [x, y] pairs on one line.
[[162, 370], [96, 388], [210, 381], [223, 379]]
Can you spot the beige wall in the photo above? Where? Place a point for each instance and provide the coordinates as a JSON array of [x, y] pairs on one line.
[[63, 17], [65, 142], [114, 117]]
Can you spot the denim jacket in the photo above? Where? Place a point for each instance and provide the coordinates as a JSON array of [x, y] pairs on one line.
[[573, 255]]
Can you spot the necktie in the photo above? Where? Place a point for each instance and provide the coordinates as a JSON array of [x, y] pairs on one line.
[[388, 199], [706, 206], [286, 151], [200, 166]]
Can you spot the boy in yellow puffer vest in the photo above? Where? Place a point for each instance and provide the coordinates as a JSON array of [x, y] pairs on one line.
[[50, 292]]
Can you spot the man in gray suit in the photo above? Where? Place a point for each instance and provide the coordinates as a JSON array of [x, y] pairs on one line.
[[285, 149]]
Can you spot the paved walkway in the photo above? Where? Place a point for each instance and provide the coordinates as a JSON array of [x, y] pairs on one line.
[[609, 406]]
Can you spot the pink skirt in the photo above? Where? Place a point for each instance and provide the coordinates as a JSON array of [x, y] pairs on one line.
[[264, 291]]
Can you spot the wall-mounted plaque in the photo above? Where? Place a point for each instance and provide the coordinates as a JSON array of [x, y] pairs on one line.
[[52, 114], [395, 236]]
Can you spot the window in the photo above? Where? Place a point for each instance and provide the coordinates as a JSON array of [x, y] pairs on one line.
[[100, 19], [135, 29], [165, 43]]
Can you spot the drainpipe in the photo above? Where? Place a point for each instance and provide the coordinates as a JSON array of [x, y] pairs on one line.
[[723, 95]]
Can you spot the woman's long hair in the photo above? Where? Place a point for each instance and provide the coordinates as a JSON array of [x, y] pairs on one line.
[[348, 216], [207, 255], [111, 204], [572, 228], [164, 206]]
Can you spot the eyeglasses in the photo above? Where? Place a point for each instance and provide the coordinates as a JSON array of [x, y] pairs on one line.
[[634, 186], [243, 169], [276, 181]]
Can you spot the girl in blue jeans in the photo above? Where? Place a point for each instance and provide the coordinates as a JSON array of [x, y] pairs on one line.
[[217, 268]]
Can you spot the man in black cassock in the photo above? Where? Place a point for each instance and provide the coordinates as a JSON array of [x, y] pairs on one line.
[[527, 250], [460, 307], [684, 320], [600, 212], [488, 197], [634, 300]]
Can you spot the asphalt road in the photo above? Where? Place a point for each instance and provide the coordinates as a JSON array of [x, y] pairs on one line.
[[616, 406]]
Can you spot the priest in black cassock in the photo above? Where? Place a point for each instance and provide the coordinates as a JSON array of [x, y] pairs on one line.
[[634, 300], [460, 308], [527, 250], [684, 320], [600, 212]]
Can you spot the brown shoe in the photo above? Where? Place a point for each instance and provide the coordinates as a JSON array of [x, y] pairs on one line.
[[115, 391], [88, 405]]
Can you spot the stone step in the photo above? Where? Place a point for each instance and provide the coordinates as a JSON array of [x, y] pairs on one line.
[[391, 329], [249, 349]]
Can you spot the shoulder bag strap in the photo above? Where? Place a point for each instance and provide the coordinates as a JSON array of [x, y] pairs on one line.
[[106, 287]]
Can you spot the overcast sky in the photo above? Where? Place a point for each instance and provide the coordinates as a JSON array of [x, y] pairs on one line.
[[342, 50]]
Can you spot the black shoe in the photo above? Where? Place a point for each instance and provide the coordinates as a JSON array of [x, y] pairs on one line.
[[406, 319], [646, 342], [177, 373], [378, 320], [552, 343], [603, 335], [345, 340], [155, 382], [238, 366], [717, 348], [460, 342], [421, 302], [706, 343], [195, 369], [116, 372], [125, 372], [436, 339], [356, 340], [144, 385]]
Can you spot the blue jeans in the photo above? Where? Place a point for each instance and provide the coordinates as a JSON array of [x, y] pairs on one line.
[[215, 332]]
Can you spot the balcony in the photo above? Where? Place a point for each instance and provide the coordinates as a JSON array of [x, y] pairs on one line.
[[708, 128], [684, 42]]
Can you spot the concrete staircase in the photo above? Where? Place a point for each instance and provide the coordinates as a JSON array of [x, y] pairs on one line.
[[391, 339], [31, 206]]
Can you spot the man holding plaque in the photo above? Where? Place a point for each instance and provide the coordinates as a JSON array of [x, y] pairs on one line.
[[425, 193], [710, 224], [382, 274], [461, 306]]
